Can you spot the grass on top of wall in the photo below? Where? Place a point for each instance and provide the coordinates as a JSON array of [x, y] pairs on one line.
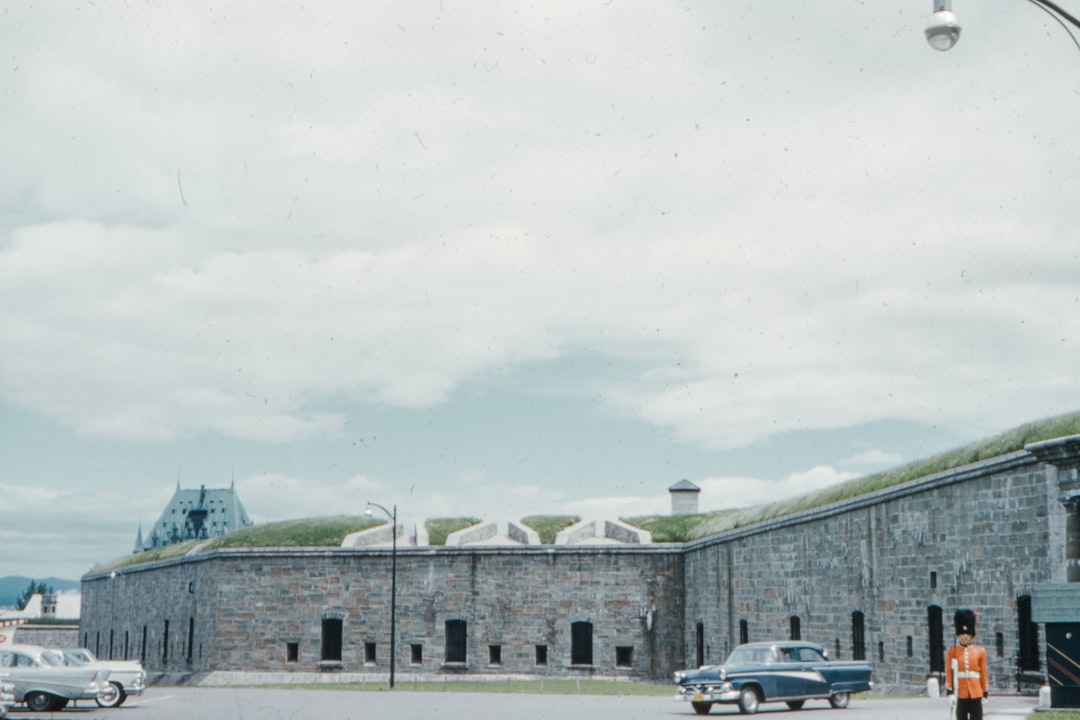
[[549, 526], [440, 528], [330, 531], [681, 528], [308, 532]]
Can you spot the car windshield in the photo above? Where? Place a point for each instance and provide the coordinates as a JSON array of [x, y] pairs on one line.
[[751, 656]]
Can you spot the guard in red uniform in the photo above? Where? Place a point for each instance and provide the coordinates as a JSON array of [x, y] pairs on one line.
[[965, 669]]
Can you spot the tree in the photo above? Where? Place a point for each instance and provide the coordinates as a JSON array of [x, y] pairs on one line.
[[34, 588]]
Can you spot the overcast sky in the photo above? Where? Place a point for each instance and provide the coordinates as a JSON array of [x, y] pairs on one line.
[[501, 259]]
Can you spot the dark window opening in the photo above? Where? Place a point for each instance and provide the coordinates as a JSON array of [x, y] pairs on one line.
[[581, 643], [744, 632], [910, 646], [933, 580], [881, 652], [417, 656], [700, 640], [495, 654], [455, 641], [836, 655], [796, 627], [369, 653], [624, 656], [165, 644], [541, 654], [292, 652], [936, 632], [999, 644], [331, 639], [858, 636], [1029, 635], [190, 639]]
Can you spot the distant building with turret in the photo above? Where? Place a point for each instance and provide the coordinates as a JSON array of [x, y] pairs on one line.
[[195, 515]]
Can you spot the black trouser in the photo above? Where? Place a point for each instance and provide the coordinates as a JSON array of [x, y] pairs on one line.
[[968, 708]]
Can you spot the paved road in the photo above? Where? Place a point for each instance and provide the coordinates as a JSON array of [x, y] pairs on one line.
[[185, 703]]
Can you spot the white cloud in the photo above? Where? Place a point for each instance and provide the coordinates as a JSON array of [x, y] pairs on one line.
[[725, 493], [254, 224], [875, 457]]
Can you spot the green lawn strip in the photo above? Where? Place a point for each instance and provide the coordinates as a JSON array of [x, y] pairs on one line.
[[560, 686]]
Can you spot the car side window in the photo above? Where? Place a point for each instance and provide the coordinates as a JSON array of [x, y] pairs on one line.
[[810, 655]]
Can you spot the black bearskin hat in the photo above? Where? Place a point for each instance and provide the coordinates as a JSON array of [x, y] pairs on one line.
[[965, 621]]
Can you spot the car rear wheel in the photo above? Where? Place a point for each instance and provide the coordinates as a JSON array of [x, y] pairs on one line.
[[110, 697], [749, 700], [40, 702], [701, 708], [840, 700], [795, 704]]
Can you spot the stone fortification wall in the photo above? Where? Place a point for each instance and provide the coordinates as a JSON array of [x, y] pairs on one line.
[[879, 576], [863, 577], [53, 636], [263, 610]]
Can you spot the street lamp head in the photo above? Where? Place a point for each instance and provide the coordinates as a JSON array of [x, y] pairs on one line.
[[943, 30]]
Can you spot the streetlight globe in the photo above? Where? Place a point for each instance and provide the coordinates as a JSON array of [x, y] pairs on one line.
[[943, 30]]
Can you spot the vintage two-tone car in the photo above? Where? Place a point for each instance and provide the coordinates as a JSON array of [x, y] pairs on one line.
[[791, 672], [126, 677], [44, 684]]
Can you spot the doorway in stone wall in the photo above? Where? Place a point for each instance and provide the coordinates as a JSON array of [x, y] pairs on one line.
[[936, 632]]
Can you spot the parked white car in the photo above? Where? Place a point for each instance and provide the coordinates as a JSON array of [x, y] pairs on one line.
[[126, 677], [7, 696], [44, 683]]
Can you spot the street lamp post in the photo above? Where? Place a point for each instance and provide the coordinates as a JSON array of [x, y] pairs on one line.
[[393, 583], [943, 30]]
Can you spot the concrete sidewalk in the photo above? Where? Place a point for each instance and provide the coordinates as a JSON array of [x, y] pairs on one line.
[[1009, 707]]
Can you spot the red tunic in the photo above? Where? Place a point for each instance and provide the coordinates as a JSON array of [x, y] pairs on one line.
[[971, 668]]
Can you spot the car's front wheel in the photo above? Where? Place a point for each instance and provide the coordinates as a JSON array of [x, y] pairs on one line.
[[749, 700], [701, 708], [840, 700], [110, 697], [40, 702]]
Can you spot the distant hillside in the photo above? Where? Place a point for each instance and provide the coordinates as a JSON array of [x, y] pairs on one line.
[[13, 586]]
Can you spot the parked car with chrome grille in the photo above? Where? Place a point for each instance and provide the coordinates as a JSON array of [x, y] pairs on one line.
[[791, 672], [7, 696], [44, 683], [126, 677]]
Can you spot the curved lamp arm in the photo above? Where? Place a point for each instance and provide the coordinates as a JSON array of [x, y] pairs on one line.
[[943, 30]]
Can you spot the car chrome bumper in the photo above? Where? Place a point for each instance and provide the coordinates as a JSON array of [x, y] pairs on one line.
[[714, 695]]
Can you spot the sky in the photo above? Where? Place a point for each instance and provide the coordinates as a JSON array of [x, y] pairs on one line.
[[506, 259]]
